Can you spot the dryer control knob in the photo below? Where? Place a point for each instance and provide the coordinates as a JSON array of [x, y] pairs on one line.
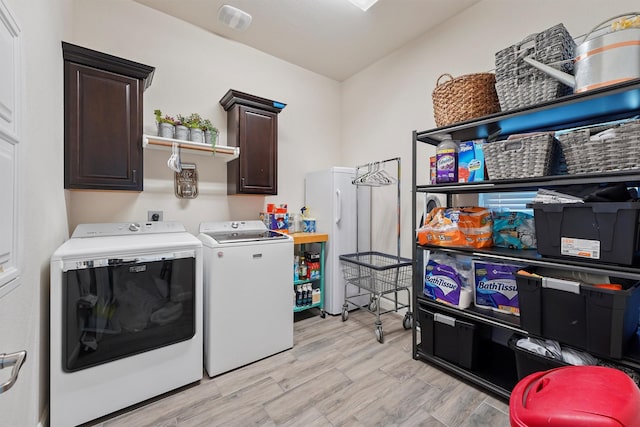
[[234, 224], [134, 227]]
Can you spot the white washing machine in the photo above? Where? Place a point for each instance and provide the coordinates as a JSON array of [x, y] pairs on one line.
[[248, 293], [126, 317]]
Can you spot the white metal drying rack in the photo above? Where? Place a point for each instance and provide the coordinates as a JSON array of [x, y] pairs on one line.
[[224, 152], [376, 176], [374, 273]]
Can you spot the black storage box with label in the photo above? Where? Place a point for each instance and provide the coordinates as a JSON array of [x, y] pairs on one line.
[[602, 232], [529, 362], [599, 320], [312, 256], [449, 338]]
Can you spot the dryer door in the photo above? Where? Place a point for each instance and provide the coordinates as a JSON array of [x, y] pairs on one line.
[[114, 308]]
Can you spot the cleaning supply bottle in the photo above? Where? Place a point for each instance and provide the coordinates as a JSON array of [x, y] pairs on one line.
[[447, 161], [302, 274], [309, 292], [299, 295]]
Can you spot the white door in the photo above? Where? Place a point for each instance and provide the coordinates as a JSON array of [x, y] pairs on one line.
[[14, 394]]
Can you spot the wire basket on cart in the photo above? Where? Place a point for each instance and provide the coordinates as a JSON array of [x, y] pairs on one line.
[[378, 274], [376, 271], [375, 274]]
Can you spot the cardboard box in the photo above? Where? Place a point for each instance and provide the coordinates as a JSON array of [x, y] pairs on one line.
[[471, 165], [277, 221], [432, 170]]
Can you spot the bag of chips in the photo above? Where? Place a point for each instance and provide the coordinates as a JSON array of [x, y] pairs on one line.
[[467, 227]]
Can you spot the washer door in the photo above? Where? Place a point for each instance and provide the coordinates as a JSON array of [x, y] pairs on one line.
[[431, 201], [124, 307]]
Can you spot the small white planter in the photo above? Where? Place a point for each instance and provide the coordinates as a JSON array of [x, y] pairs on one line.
[[166, 130], [182, 132], [196, 135], [210, 137]]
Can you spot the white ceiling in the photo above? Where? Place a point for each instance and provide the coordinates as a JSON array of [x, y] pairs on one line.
[[330, 37]]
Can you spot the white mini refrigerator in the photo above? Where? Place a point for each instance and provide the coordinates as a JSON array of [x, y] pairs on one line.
[[331, 199]]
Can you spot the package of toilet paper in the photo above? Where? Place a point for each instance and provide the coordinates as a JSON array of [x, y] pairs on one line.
[[446, 280], [495, 286]]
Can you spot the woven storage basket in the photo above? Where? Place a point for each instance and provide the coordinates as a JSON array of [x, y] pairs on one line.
[[519, 84], [528, 90], [618, 152], [520, 158], [464, 98]]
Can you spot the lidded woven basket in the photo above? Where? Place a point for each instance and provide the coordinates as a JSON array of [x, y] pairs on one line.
[[464, 98]]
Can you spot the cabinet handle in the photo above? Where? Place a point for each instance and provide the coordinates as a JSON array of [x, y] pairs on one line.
[[135, 176], [12, 359]]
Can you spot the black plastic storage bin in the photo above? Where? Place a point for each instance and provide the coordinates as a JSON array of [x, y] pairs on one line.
[[599, 320], [528, 362], [602, 232], [449, 338]]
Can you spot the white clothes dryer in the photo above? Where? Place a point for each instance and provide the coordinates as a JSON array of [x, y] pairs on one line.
[[126, 317], [248, 293]]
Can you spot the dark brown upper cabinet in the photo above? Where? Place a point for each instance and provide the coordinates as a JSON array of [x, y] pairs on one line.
[[103, 120], [252, 125]]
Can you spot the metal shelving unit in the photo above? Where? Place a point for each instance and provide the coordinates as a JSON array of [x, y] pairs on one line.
[[302, 240], [601, 105]]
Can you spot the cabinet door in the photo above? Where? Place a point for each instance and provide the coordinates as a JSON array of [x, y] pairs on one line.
[[103, 129], [257, 138], [10, 149]]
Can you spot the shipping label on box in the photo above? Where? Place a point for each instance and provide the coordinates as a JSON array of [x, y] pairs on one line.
[[471, 164], [580, 247]]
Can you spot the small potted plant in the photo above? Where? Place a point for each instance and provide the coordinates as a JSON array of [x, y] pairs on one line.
[[182, 131], [210, 132], [193, 123], [166, 124]]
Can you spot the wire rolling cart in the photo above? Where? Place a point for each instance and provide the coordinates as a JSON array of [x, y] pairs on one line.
[[376, 274]]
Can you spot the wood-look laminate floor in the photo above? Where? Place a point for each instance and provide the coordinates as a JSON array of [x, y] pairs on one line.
[[337, 374]]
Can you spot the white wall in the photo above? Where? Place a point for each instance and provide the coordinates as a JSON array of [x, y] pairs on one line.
[[383, 104], [194, 69], [44, 219]]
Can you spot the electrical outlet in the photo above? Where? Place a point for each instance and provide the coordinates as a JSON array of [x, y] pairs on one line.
[[154, 215]]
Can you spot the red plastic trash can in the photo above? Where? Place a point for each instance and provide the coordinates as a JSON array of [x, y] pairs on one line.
[[574, 396]]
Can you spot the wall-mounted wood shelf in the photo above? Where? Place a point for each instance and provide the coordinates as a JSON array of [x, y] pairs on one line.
[[223, 152]]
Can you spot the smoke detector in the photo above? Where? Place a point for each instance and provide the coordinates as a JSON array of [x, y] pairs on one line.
[[364, 5], [234, 17]]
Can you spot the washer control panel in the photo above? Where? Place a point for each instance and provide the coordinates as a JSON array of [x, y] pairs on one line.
[[127, 228]]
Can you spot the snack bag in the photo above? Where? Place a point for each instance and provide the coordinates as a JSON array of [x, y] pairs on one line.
[[514, 230], [467, 227]]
